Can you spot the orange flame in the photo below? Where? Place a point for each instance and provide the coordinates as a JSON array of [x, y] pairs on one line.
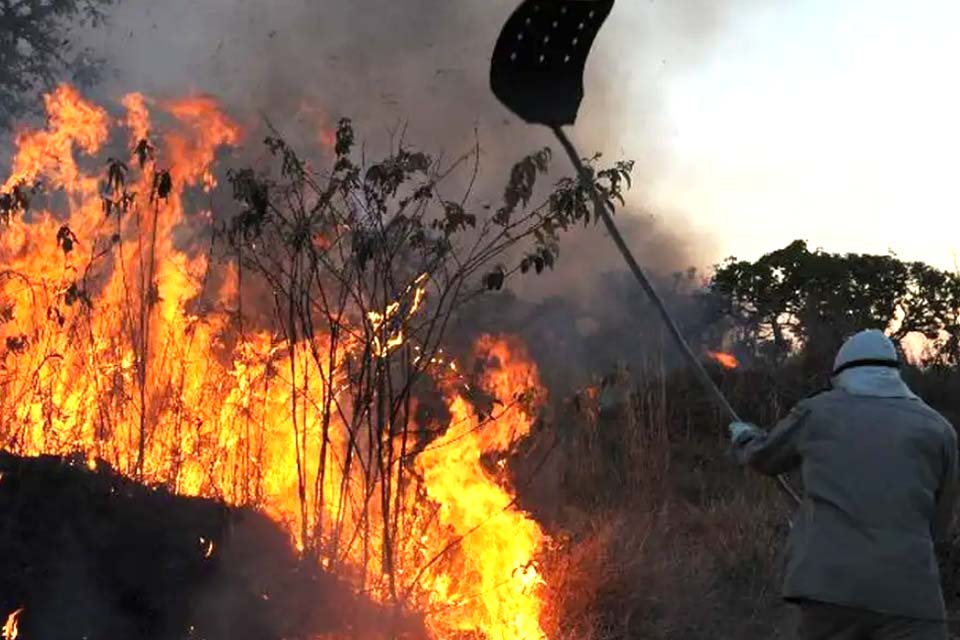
[[317, 117], [73, 123], [387, 327], [11, 629], [726, 360], [102, 352], [494, 582]]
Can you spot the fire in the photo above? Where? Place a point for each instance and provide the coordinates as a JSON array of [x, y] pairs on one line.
[[105, 350], [11, 628], [318, 119], [494, 582], [73, 123], [387, 327], [726, 360]]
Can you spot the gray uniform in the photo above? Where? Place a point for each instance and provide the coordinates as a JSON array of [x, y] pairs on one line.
[[879, 477]]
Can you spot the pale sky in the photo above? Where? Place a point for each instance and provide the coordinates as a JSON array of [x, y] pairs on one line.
[[835, 121]]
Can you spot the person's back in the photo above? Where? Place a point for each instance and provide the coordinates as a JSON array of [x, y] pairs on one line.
[[879, 472]]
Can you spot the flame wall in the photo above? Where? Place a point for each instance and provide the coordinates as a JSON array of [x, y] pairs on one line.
[[106, 352]]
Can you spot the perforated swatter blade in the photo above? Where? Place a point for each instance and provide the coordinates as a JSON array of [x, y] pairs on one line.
[[538, 63]]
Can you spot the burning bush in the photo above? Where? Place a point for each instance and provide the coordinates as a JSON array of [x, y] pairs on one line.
[[288, 357]]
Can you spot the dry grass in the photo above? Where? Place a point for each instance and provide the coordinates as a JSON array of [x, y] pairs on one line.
[[668, 572], [656, 533]]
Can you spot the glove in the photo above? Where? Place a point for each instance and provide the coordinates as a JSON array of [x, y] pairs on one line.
[[740, 432]]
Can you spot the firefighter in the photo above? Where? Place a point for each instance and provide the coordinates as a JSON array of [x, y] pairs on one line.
[[879, 471]]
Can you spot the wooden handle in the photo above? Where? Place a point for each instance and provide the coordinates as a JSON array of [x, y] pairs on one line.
[[716, 395]]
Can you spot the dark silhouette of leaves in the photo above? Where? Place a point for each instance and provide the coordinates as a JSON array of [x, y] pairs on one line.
[[523, 179], [17, 343], [292, 166], [796, 297], [364, 246], [153, 294], [66, 239], [116, 174], [35, 48], [493, 281], [383, 179], [454, 219], [53, 313], [254, 194], [16, 201], [345, 137], [76, 294], [144, 151], [162, 185]]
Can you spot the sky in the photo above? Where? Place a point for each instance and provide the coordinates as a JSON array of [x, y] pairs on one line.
[[833, 121], [753, 122]]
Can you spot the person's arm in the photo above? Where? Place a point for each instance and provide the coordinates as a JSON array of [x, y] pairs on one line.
[[775, 452], [947, 493]]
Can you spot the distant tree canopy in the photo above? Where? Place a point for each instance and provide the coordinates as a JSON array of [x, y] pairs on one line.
[[36, 50], [794, 297]]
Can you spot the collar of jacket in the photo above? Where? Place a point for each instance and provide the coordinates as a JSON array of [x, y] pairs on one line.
[[875, 381]]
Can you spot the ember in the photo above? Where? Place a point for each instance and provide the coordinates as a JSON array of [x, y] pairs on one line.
[[727, 360], [208, 546]]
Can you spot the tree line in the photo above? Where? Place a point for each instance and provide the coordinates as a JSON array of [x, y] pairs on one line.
[[797, 299]]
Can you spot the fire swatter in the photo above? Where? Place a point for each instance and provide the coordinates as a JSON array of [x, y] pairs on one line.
[[537, 72]]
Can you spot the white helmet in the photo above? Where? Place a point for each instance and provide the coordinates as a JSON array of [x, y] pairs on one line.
[[870, 348]]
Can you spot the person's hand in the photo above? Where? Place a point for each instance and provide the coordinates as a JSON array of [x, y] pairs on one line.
[[739, 431]]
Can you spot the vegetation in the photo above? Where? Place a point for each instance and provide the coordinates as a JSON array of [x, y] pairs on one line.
[[291, 360], [662, 536], [346, 284], [375, 262], [795, 298], [36, 50], [659, 535], [656, 534]]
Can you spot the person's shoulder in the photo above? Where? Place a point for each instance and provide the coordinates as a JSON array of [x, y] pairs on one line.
[[820, 397], [948, 428], [823, 391], [936, 419]]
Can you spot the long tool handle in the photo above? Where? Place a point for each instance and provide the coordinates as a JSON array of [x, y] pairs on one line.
[[717, 396]]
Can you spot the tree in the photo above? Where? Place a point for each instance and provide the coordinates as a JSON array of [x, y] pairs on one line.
[[796, 298], [36, 51]]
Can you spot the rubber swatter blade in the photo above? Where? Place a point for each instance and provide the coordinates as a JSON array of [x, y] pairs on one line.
[[538, 62]]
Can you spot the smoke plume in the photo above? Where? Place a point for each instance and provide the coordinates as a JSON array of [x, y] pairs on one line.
[[418, 69]]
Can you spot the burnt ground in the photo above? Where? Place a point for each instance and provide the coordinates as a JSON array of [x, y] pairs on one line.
[[91, 555]]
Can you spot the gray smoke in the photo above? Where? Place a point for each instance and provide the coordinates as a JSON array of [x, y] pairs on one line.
[[420, 67]]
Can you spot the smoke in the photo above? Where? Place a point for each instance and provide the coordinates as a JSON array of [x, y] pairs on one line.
[[419, 63], [418, 68]]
